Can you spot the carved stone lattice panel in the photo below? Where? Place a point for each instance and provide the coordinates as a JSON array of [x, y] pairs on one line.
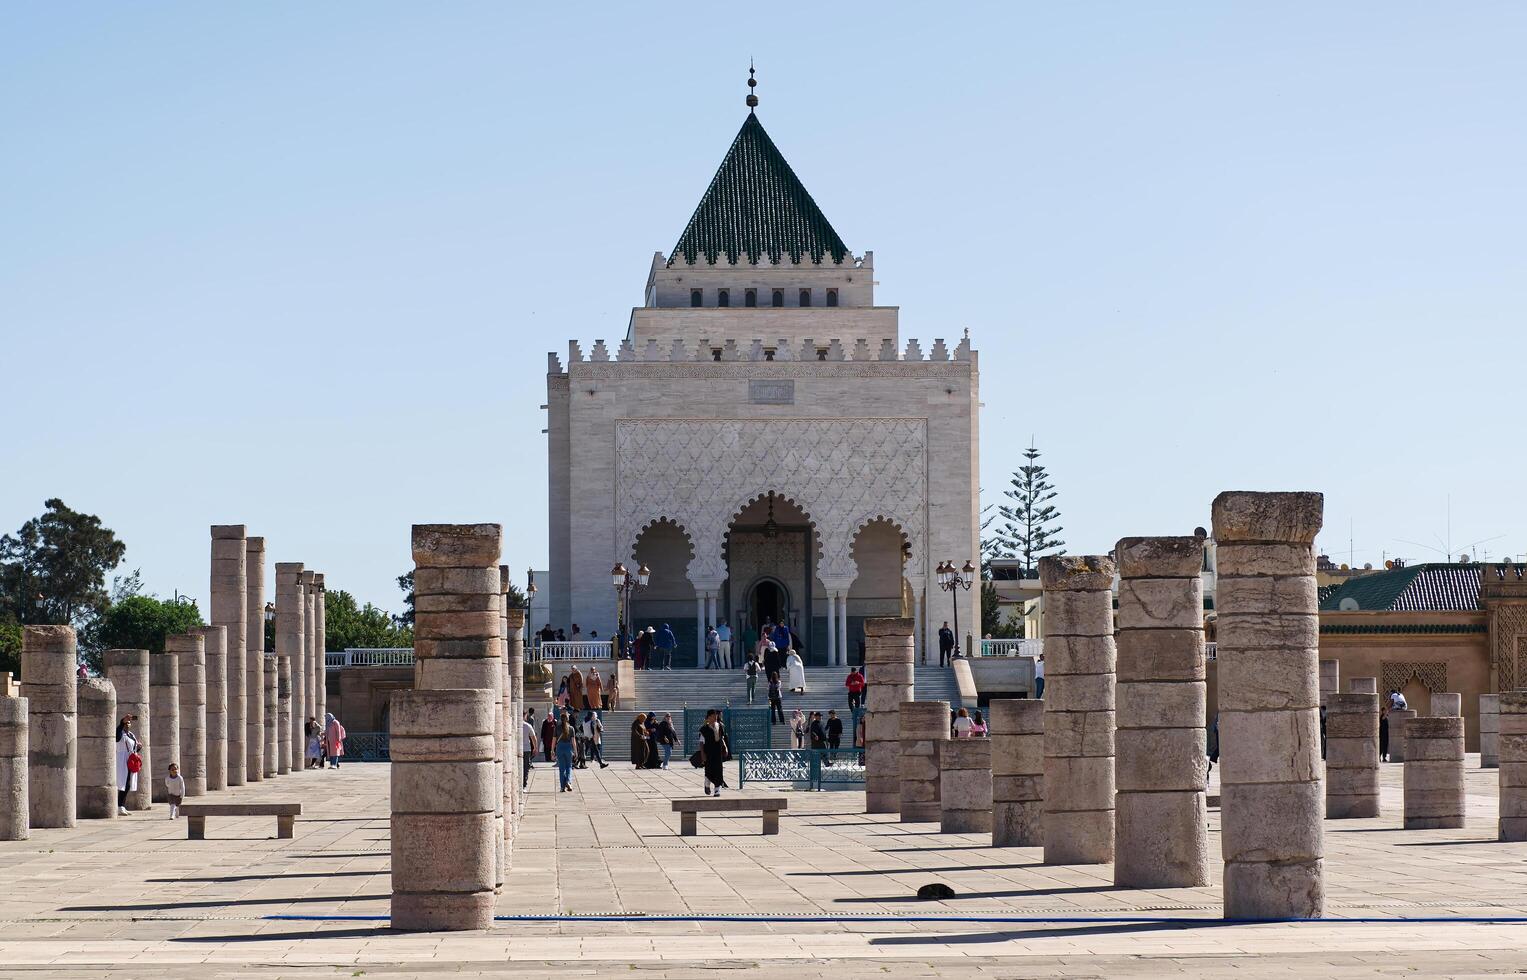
[[783, 557], [1508, 625], [1397, 673], [700, 474]]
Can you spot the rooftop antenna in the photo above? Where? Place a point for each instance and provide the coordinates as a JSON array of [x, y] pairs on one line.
[[752, 84]]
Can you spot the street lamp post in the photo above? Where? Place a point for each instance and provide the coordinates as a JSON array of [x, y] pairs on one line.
[[951, 579], [626, 585]]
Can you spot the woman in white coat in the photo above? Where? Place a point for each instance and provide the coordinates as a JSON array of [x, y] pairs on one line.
[[127, 775], [795, 671]]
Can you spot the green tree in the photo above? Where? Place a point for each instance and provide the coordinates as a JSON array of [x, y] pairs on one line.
[[992, 623], [10, 649], [347, 624], [53, 570], [140, 622], [1030, 529]]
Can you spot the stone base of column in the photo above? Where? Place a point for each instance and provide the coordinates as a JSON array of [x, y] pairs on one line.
[[1169, 836], [14, 822], [1257, 891], [1434, 785]]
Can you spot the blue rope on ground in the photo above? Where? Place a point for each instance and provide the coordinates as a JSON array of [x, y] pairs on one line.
[[993, 919]]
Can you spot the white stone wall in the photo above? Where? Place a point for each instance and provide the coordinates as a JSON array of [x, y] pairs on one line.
[[669, 286], [711, 326]]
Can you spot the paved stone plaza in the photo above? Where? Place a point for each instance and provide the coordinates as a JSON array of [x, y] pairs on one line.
[[118, 898]]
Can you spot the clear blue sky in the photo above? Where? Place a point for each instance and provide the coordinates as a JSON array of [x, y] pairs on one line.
[[298, 265]]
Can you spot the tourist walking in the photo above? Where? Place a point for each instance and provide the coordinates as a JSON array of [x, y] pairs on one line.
[[575, 688], [593, 690], [750, 672], [527, 746], [712, 649], [773, 660], [334, 735], [855, 684], [174, 789], [776, 706], [977, 725], [565, 754], [818, 731], [129, 762], [783, 638], [548, 735], [724, 639], [593, 735], [639, 648], [962, 724], [667, 737], [797, 671], [713, 752], [945, 644], [655, 750], [666, 642], [1039, 676], [834, 733], [640, 746], [798, 728], [612, 691], [313, 738], [561, 699]]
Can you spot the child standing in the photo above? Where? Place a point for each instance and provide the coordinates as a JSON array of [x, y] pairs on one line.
[[174, 789]]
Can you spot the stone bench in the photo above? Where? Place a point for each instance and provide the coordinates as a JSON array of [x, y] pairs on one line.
[[689, 810], [196, 815]]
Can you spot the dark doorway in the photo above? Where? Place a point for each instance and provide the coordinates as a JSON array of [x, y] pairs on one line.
[[768, 603]]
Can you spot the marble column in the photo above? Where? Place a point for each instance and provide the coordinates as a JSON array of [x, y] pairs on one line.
[[1512, 743], [319, 705], [1489, 731], [843, 630], [919, 628], [270, 692], [48, 663], [516, 678], [1271, 776], [888, 666], [95, 774], [1352, 752], [164, 720], [284, 714], [304, 695], [215, 644], [1079, 708], [1161, 837], [1017, 772], [15, 821], [254, 660], [442, 809], [1397, 720], [230, 591], [1434, 790], [128, 672], [457, 645], [700, 628], [832, 629], [190, 652], [965, 797], [924, 725]]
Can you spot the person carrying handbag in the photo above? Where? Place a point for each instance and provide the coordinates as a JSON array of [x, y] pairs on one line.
[[713, 752]]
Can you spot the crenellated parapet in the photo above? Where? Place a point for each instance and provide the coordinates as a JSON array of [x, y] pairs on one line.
[[832, 349]]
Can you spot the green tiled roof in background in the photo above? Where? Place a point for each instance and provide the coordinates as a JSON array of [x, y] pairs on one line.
[[1417, 588], [757, 208]]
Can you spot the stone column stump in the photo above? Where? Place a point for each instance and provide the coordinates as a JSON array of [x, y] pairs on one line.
[[1434, 793], [254, 660], [1447, 705], [270, 694], [1161, 837], [215, 648], [888, 662], [442, 809], [1271, 776], [1513, 766], [965, 800], [283, 714], [1080, 658], [48, 664], [1489, 731], [226, 695], [1397, 720], [1017, 772], [924, 725], [515, 670], [163, 722], [1352, 756], [95, 773], [190, 651], [15, 821], [128, 672]]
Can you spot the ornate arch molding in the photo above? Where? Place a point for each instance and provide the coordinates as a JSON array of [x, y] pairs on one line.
[[1397, 673], [841, 472]]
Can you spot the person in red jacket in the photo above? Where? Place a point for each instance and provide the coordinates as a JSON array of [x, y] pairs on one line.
[[855, 684]]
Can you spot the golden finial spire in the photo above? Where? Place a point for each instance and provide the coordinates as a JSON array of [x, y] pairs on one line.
[[752, 84]]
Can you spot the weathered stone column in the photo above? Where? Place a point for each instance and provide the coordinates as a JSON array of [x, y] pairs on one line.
[[1079, 708], [190, 651], [888, 653], [128, 672], [456, 631], [924, 724], [1352, 752], [215, 647], [163, 722], [1447, 705], [283, 713], [95, 773], [965, 800], [319, 704], [304, 694], [503, 718], [1434, 794], [227, 696], [1017, 772], [1271, 777], [48, 663], [516, 674], [1330, 680], [270, 693], [1489, 731], [254, 660], [1161, 837], [291, 637], [1513, 766], [15, 821], [442, 809], [1397, 720]]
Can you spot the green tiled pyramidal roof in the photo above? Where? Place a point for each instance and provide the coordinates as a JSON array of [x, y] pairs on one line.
[[1433, 587], [756, 208]]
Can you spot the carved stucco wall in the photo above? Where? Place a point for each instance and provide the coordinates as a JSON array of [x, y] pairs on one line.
[[1508, 626], [1396, 674], [843, 473]]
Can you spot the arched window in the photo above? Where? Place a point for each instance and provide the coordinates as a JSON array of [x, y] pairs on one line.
[[805, 297], [697, 297], [832, 297], [723, 297], [779, 297], [750, 298]]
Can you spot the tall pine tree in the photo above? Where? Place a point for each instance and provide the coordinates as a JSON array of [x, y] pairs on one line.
[[1030, 528]]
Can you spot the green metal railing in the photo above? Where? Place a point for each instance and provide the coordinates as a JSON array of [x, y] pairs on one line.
[[816, 768]]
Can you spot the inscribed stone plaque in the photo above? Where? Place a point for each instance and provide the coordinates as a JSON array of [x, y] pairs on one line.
[[771, 392]]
